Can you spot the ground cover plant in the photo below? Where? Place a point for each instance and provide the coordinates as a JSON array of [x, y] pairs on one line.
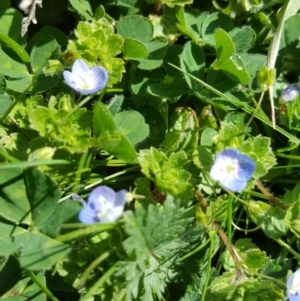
[[149, 150]]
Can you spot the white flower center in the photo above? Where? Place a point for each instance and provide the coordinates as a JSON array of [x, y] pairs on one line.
[[230, 167], [84, 82], [105, 207]]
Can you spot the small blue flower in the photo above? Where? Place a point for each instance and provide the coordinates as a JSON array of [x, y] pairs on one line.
[[289, 94], [104, 205], [86, 80], [232, 169], [293, 286]]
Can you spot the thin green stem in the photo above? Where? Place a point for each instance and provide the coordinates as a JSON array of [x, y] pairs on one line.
[[285, 245], [14, 103], [285, 166], [256, 109], [199, 248], [208, 269], [80, 170], [100, 282], [286, 156], [90, 230], [83, 102], [117, 174], [37, 281], [91, 267], [229, 220]]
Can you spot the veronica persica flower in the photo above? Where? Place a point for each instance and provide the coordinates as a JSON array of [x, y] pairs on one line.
[[104, 205], [293, 286], [232, 169], [86, 80], [289, 94]]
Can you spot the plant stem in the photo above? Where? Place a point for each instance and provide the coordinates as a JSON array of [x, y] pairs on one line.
[[100, 282], [37, 281], [285, 245]]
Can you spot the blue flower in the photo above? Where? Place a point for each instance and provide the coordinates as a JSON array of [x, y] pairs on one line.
[[293, 286], [232, 169], [86, 80], [289, 94], [104, 205]]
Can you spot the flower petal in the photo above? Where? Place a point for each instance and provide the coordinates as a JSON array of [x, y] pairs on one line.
[[80, 67], [84, 80], [290, 93], [99, 195], [88, 216], [99, 77], [293, 286], [247, 167], [71, 80], [233, 184], [232, 169]]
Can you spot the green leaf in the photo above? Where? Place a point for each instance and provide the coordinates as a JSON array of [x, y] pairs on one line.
[[243, 39], [192, 61], [108, 137], [118, 145], [143, 79], [228, 60], [2, 87], [271, 219], [214, 22], [205, 159], [83, 7], [14, 204], [172, 3], [115, 104], [157, 126], [187, 23], [16, 285], [133, 49], [290, 37], [58, 35], [217, 209], [103, 120], [19, 50], [169, 174], [172, 88], [10, 25], [292, 198], [237, 286], [132, 125], [156, 49], [40, 118], [182, 134], [135, 27], [97, 39], [43, 195], [46, 48], [253, 64], [208, 136], [5, 103], [11, 238], [11, 67], [251, 255], [20, 84], [72, 134], [174, 84], [258, 148], [154, 236], [230, 135], [42, 83], [41, 252], [65, 212]]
